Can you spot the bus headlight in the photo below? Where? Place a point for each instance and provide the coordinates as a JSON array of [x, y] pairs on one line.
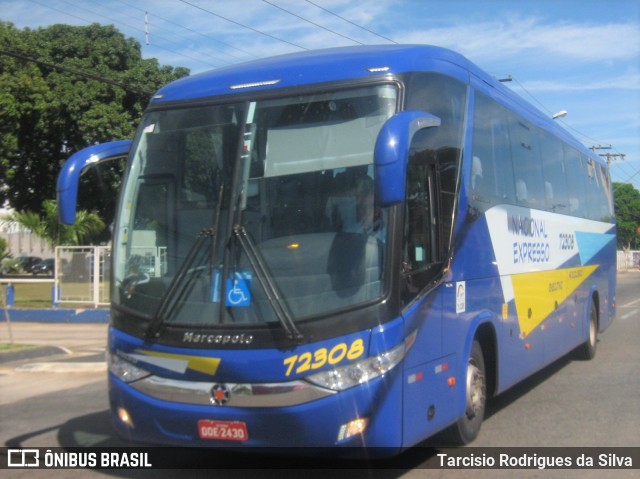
[[345, 377], [124, 370]]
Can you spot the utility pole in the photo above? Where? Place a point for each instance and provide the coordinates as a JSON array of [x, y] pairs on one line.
[[609, 156], [612, 156], [146, 27]]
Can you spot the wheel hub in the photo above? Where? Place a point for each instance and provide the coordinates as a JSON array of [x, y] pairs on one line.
[[475, 391]]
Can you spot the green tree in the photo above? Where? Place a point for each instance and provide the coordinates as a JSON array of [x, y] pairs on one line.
[[63, 88], [46, 225], [4, 249], [627, 205]]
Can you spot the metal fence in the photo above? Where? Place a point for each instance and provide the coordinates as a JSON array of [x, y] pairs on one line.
[[82, 274], [628, 260]]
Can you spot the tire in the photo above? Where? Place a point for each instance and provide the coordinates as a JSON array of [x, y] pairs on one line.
[[587, 350], [467, 428]]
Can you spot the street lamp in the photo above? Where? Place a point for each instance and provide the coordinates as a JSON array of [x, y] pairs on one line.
[[560, 114]]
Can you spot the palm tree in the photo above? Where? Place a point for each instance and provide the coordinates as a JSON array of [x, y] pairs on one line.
[[48, 227], [4, 249]]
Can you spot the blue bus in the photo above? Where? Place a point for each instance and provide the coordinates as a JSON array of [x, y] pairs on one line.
[[346, 247]]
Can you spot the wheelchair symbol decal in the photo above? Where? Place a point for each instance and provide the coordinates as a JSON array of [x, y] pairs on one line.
[[238, 293]]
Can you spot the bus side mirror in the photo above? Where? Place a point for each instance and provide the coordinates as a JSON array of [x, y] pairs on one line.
[[75, 166], [392, 152]]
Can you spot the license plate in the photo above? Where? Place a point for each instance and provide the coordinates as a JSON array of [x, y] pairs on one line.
[[222, 430]]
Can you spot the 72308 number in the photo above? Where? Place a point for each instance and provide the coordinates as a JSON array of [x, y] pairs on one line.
[[308, 361]]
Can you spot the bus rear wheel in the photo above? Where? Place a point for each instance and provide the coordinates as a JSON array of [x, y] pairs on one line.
[[587, 350], [466, 429]]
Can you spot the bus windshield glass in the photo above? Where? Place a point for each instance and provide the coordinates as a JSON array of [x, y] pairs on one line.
[[250, 212]]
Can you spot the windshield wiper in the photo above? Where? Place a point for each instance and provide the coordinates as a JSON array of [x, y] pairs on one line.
[[179, 283], [270, 288]]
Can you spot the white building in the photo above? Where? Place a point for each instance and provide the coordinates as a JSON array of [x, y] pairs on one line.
[[22, 242]]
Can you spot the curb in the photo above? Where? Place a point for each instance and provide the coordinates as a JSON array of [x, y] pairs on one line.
[[32, 353], [56, 315], [65, 364], [63, 367]]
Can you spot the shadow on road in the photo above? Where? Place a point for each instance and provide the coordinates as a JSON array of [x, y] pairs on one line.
[[510, 396], [95, 430]]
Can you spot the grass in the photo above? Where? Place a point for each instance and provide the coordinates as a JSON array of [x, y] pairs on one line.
[[12, 347], [38, 295]]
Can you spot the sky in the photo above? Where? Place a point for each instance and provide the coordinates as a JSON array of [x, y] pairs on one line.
[[582, 56]]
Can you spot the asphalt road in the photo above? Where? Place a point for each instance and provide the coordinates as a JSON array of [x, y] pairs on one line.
[[570, 403]]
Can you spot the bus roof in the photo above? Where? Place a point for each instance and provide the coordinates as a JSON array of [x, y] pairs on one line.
[[303, 68], [344, 63]]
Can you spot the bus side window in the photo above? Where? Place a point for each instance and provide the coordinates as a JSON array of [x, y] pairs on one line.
[[576, 182], [491, 169], [594, 187], [606, 201], [555, 183], [417, 246], [421, 254], [432, 174], [530, 190]]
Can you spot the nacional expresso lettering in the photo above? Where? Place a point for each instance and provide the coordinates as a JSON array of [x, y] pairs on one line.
[[536, 248], [527, 226]]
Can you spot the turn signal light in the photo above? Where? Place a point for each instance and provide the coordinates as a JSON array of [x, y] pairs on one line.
[[125, 417]]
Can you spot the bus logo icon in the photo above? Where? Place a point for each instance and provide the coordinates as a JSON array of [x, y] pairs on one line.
[[23, 458], [219, 394]]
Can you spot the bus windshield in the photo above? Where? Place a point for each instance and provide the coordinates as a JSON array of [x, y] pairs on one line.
[[254, 212]]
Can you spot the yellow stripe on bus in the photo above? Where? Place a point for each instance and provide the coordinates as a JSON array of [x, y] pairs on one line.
[[538, 294], [201, 364]]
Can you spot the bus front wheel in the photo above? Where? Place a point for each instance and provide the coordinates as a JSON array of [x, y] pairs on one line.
[[466, 429]]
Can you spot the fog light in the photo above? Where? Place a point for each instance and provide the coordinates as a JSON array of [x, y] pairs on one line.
[[124, 416], [353, 428]]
